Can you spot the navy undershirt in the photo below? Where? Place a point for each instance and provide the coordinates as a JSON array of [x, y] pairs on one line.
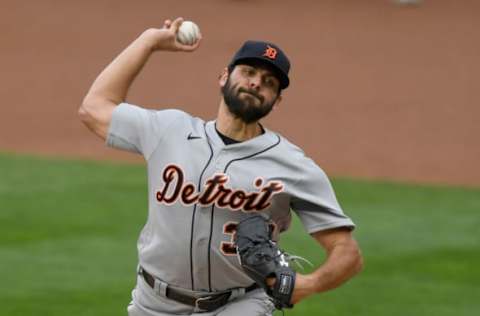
[[227, 140]]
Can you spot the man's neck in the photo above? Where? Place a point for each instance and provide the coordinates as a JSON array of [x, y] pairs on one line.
[[235, 128]]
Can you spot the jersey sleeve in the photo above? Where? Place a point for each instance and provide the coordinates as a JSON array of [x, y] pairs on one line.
[[139, 130], [314, 200]]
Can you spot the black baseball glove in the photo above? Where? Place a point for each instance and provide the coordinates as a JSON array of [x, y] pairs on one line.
[[261, 259]]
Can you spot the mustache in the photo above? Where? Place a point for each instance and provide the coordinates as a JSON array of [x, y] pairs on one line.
[[252, 92]]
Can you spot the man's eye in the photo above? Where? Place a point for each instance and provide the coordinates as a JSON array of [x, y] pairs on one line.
[[250, 71], [270, 82]]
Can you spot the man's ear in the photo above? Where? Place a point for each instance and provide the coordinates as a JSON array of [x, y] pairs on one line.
[[223, 77]]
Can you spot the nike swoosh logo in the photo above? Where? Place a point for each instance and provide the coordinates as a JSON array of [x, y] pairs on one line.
[[189, 137]]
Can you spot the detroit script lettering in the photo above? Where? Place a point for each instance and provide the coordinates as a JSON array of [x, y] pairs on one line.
[[215, 192]]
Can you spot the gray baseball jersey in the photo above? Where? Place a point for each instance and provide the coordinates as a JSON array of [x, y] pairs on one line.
[[199, 189]]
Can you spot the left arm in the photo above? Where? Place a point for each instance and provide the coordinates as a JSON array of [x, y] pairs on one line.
[[344, 260]]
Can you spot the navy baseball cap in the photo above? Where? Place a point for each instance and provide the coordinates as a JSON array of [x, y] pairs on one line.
[[265, 52]]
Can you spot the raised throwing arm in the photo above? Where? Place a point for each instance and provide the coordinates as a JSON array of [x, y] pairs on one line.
[[111, 87]]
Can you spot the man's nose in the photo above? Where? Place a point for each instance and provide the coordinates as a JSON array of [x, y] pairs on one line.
[[255, 82]]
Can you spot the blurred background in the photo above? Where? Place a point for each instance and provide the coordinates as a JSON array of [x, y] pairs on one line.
[[380, 88], [382, 97]]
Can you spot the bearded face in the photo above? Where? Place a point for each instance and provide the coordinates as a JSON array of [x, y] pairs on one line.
[[245, 104]]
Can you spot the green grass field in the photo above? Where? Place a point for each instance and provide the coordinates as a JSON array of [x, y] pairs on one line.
[[68, 234]]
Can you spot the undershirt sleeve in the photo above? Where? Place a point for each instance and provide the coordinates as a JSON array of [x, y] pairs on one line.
[[139, 130]]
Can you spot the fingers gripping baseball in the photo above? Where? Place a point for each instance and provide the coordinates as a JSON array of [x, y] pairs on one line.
[[167, 38], [187, 34]]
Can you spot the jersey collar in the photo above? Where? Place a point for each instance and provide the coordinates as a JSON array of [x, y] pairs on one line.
[[250, 146]]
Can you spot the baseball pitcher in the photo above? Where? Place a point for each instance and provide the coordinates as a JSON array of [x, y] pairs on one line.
[[220, 192]]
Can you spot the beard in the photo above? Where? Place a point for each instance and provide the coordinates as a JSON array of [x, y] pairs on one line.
[[245, 109]]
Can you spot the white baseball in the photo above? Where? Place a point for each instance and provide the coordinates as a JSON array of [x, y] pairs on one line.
[[188, 33]]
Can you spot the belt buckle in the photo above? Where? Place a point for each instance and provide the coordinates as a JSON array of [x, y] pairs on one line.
[[200, 300]]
